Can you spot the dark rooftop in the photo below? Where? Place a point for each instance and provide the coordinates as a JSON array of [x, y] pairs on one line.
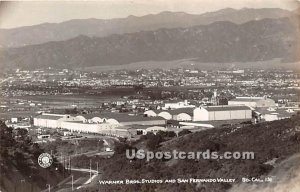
[[250, 99], [124, 117], [181, 110], [227, 108], [51, 117]]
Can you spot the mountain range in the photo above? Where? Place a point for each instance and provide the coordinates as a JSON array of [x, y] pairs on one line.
[[218, 41], [46, 32]]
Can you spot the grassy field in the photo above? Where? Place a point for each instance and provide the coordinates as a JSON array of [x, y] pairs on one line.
[[63, 101], [194, 64], [50, 102], [64, 98]]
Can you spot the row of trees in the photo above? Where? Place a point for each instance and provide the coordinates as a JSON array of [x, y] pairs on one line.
[[153, 141]]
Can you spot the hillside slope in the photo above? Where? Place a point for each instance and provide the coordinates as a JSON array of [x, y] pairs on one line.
[[19, 169], [46, 32], [269, 141], [218, 42], [286, 177]]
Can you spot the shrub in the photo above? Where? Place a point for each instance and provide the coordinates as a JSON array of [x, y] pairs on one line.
[[184, 132]]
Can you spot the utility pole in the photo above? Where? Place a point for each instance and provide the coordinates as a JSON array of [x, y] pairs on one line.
[[49, 188], [72, 183], [97, 168], [90, 168], [64, 165], [69, 164], [31, 186], [22, 181]]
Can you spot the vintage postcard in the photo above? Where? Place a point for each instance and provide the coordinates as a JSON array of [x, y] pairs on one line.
[[150, 96]]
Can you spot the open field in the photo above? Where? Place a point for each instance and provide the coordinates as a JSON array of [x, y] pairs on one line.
[[194, 64], [62, 101], [66, 98], [48, 102]]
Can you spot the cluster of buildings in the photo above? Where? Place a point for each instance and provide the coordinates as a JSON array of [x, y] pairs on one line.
[[151, 112], [20, 83], [208, 113], [119, 124], [114, 124], [170, 117], [254, 102], [264, 108]]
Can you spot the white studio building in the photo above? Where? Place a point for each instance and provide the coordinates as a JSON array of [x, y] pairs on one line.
[[177, 105], [153, 129], [181, 114], [253, 102], [210, 113], [273, 114], [14, 120], [224, 112], [108, 123], [79, 126], [157, 113], [51, 120], [165, 114]]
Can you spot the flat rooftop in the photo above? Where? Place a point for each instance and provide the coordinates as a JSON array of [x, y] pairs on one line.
[[49, 117], [227, 108]]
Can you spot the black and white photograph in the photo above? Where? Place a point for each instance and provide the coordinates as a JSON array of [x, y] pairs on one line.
[[150, 96]]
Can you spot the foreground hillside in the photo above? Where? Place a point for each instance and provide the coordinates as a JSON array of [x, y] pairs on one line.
[[19, 169], [286, 175], [272, 142]]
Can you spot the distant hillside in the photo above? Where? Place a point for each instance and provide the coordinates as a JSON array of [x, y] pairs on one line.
[[218, 42], [19, 169], [100, 28], [269, 141]]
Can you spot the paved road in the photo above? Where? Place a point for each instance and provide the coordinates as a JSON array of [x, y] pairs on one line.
[[79, 180], [88, 154], [94, 175], [82, 180], [4, 80]]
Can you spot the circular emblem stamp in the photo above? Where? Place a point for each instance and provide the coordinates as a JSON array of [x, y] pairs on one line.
[[45, 160]]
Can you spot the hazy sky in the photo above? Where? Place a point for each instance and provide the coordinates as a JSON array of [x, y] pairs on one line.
[[15, 14]]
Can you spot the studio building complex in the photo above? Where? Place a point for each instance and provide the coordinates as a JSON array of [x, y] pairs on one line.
[[119, 124], [109, 124], [254, 102], [209, 113], [181, 116]]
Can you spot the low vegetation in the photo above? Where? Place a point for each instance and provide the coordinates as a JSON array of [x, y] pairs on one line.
[[72, 147], [271, 140], [19, 169]]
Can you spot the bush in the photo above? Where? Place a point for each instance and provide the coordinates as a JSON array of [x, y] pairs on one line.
[[166, 134], [153, 141], [121, 147], [184, 132]]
